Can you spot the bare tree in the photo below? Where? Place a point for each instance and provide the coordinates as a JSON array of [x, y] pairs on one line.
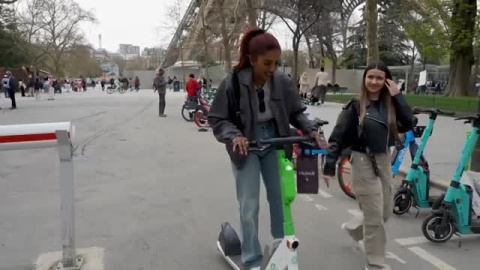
[[252, 15], [31, 23], [266, 19], [305, 14], [52, 27], [227, 33], [61, 30]]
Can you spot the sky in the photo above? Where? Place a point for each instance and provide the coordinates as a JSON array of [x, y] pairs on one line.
[[143, 23]]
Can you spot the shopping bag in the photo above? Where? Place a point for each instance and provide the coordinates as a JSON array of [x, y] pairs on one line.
[[307, 174]]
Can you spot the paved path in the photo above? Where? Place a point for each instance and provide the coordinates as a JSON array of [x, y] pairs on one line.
[[153, 191]]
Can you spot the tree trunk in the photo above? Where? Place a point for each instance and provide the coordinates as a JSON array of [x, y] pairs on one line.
[[296, 43], [371, 15], [459, 76], [225, 39], [311, 62], [344, 22], [205, 44], [252, 15], [461, 57], [334, 70]]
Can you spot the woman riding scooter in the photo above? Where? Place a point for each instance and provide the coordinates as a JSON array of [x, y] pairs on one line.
[[268, 102], [370, 127]]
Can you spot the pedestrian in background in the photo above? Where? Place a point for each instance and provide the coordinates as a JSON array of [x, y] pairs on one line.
[[161, 86]]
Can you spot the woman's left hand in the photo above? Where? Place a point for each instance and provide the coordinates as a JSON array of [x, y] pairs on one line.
[[321, 142], [392, 87]]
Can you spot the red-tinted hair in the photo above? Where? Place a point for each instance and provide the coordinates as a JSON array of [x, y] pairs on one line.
[[255, 41]]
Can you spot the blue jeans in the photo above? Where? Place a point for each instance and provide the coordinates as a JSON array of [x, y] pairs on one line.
[[248, 193]]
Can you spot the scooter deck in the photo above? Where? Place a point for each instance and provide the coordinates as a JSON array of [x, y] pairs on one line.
[[234, 261]]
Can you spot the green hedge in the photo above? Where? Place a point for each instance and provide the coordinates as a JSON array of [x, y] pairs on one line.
[[457, 104]]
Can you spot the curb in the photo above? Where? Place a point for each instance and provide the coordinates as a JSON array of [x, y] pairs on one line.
[[436, 183]]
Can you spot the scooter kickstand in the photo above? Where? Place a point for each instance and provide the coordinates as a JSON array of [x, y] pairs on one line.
[[418, 211], [460, 239]]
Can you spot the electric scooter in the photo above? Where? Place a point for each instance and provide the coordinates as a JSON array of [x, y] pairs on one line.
[[415, 188], [455, 212], [284, 255]]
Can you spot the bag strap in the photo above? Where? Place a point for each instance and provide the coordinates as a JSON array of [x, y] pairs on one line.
[[233, 95]]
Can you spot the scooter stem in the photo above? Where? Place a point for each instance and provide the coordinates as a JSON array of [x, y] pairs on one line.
[[287, 176]]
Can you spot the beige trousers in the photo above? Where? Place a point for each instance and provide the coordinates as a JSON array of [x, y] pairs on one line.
[[375, 198]]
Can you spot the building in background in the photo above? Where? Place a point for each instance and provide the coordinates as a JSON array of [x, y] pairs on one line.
[[153, 57], [129, 51]]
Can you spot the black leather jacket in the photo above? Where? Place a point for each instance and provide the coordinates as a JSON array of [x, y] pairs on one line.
[[378, 135]]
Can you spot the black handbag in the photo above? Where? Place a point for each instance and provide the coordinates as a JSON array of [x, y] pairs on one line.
[[307, 174]]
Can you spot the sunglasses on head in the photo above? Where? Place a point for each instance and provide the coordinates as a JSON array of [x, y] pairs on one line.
[[261, 100]]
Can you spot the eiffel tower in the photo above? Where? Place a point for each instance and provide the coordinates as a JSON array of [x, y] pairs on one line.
[[190, 28]]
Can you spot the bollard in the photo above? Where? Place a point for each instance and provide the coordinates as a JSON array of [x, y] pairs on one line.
[[49, 135]]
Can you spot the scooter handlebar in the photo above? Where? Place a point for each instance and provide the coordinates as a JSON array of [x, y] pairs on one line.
[[418, 110]]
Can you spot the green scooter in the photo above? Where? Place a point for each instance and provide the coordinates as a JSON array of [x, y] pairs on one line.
[[415, 188], [455, 212]]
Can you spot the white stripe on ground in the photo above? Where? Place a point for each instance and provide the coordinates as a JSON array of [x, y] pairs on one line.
[[306, 198], [430, 258], [320, 207], [354, 212], [410, 241], [392, 256], [324, 194]]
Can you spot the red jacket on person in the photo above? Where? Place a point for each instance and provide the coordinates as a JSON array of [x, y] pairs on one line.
[[192, 87]]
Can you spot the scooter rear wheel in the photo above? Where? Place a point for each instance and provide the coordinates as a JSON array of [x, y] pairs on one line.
[[402, 200], [435, 232]]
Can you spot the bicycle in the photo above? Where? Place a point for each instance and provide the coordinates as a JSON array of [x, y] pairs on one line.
[[409, 143], [119, 87]]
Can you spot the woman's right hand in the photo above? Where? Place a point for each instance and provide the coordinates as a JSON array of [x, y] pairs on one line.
[[240, 143]]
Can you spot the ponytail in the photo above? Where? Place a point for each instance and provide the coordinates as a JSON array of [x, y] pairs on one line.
[[255, 41]]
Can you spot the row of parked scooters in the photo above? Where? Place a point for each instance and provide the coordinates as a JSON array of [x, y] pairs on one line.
[[457, 211]]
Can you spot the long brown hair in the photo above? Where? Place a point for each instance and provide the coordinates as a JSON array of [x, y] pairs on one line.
[[385, 97], [255, 41]]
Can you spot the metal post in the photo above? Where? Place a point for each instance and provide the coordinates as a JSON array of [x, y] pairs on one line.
[[69, 260]]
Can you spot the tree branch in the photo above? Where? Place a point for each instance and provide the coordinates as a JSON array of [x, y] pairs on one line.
[[7, 2]]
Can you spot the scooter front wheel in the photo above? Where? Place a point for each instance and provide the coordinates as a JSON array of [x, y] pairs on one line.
[[402, 200], [344, 173], [435, 231]]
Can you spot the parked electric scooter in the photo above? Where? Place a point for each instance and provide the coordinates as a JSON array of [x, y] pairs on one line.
[[415, 188], [455, 212]]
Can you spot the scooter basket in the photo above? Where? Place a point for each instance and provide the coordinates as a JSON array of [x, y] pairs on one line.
[[418, 131]]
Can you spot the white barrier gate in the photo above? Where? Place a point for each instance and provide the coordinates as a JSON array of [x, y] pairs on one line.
[[49, 135]]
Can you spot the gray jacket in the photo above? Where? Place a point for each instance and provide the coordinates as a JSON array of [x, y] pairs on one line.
[[160, 84], [285, 104]]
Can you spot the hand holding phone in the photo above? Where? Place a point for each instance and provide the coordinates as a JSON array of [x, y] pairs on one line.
[[392, 87]]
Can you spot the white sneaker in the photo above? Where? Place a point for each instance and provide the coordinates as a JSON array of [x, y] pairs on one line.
[[357, 245]]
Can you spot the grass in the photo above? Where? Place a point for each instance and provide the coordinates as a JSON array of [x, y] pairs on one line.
[[456, 104]]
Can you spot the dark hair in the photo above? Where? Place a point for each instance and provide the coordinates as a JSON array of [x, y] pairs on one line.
[[322, 69], [191, 76], [255, 41]]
